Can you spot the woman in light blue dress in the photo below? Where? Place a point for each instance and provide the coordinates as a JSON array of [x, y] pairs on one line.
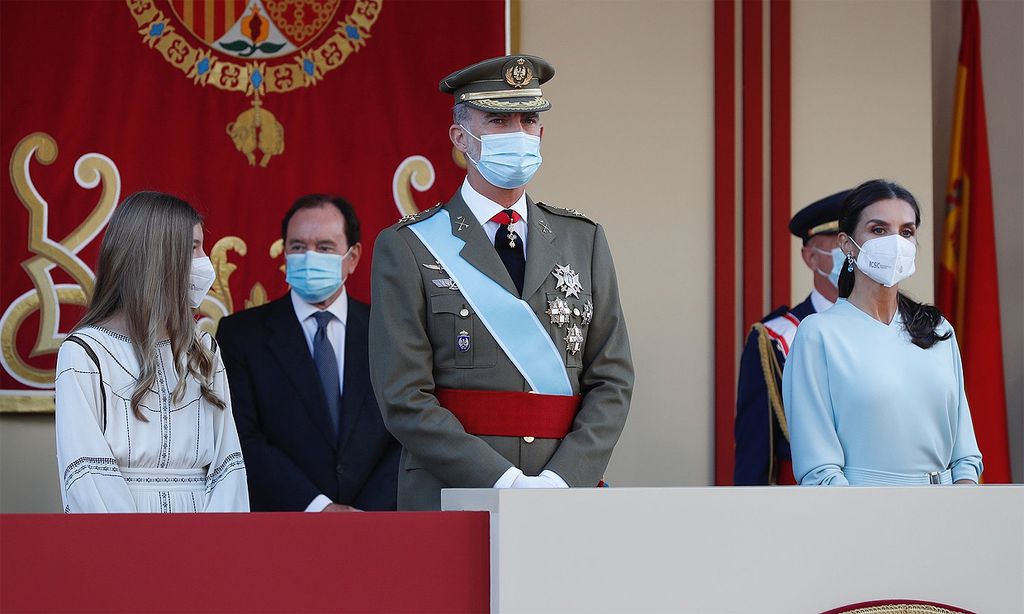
[[873, 388]]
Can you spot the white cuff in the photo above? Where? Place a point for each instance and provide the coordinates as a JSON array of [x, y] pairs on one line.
[[318, 504], [507, 478], [555, 479]]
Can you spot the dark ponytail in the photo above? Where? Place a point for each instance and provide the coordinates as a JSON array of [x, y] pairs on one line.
[[921, 321]]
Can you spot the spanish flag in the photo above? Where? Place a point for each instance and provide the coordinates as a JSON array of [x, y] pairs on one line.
[[968, 283]]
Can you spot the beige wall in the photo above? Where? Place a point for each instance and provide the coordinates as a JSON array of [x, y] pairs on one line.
[[862, 110], [630, 142]]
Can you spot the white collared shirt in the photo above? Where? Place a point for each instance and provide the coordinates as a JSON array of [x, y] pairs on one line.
[[336, 334], [484, 209], [819, 301]]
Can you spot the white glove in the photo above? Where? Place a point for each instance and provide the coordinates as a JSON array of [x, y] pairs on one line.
[[546, 479]]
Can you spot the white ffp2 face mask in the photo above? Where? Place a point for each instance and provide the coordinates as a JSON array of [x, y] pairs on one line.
[[200, 280], [887, 260]]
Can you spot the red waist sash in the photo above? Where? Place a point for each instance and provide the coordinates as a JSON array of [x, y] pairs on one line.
[[511, 414]]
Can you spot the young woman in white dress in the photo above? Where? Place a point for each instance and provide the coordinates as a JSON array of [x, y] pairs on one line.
[[143, 411]]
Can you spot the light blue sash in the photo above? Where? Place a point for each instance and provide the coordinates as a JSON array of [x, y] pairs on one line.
[[509, 319]]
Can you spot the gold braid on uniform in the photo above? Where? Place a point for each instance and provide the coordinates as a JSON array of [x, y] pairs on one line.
[[772, 376]]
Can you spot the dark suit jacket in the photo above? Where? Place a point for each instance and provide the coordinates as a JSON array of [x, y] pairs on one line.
[[290, 453]]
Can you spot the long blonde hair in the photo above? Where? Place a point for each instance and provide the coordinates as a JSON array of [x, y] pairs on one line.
[[143, 274]]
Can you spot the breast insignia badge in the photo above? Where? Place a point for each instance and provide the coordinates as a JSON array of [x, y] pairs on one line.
[[573, 339], [588, 312], [558, 311], [568, 280], [255, 48], [446, 282], [463, 341]]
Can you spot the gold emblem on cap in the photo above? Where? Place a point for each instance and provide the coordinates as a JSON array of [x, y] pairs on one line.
[[518, 72]]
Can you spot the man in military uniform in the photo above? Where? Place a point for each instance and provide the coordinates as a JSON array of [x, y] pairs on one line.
[[762, 436], [498, 351]]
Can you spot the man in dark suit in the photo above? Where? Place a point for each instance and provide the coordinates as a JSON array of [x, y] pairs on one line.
[[311, 432]]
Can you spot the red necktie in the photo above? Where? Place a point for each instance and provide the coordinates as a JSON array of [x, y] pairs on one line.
[[506, 217]]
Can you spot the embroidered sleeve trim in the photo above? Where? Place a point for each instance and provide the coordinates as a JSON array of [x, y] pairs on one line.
[[233, 462], [90, 466]]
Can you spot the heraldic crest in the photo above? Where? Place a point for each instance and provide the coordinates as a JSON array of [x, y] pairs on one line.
[[255, 48]]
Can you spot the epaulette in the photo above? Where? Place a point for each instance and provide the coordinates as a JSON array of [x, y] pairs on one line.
[[781, 309], [782, 328], [412, 218], [565, 212]]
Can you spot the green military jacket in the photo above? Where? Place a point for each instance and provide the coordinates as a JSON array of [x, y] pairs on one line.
[[415, 324]]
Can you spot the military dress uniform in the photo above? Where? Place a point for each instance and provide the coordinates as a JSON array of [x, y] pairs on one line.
[[762, 435], [762, 454], [430, 351]]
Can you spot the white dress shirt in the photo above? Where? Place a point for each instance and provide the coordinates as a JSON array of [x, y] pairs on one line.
[[819, 301], [484, 209], [336, 334]]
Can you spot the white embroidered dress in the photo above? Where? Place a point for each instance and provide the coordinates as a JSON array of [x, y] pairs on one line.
[[185, 458]]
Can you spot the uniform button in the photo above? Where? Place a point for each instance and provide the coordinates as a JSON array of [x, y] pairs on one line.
[[464, 313], [528, 439], [340, 469]]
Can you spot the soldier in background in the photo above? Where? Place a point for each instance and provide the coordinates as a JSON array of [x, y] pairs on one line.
[[762, 436]]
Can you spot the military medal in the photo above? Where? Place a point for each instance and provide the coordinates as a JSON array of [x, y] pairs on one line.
[[588, 312], [511, 237], [568, 280], [573, 339], [463, 341], [442, 283], [558, 310]]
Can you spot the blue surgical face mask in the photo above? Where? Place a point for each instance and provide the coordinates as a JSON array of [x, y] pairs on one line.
[[838, 259], [507, 160], [315, 276]]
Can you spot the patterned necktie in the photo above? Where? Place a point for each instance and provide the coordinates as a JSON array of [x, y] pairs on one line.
[[510, 246], [327, 367]]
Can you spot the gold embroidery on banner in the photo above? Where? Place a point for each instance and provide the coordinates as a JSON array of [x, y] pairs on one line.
[[257, 296], [276, 249], [24, 402], [91, 170], [257, 128], [414, 172]]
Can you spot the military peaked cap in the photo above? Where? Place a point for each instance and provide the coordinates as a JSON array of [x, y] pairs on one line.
[[508, 84], [818, 218]]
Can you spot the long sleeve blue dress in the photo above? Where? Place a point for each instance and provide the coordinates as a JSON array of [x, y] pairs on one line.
[[867, 407]]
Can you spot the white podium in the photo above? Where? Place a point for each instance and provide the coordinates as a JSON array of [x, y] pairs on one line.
[[751, 550]]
